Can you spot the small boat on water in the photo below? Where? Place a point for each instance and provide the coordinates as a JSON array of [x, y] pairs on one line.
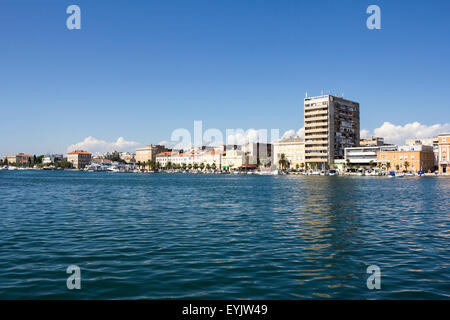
[[268, 172], [399, 175], [333, 173]]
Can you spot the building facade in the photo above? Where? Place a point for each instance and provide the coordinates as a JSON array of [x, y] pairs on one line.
[[79, 158], [293, 149], [365, 156], [52, 158], [149, 152], [21, 158], [371, 142], [444, 153], [257, 153], [190, 157], [234, 158], [331, 125], [434, 142], [408, 158]]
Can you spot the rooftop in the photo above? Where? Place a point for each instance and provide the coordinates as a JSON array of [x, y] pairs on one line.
[[79, 152]]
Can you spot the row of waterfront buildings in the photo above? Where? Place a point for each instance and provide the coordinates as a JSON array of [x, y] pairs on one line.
[[331, 139]]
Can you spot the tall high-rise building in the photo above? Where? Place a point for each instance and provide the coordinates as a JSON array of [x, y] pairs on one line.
[[331, 125]]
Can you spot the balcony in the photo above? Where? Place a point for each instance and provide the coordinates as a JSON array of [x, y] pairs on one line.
[[322, 148], [317, 136]]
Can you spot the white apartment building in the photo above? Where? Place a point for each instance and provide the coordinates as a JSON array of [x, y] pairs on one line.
[[52, 158], [364, 156], [234, 158], [331, 125], [190, 157], [292, 148]]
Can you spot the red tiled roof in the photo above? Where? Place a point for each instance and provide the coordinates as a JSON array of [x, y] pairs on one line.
[[24, 155], [79, 152]]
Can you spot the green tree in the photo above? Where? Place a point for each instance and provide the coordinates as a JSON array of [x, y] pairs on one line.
[[388, 165], [208, 167], [195, 166], [189, 166], [213, 166], [202, 166], [406, 164], [283, 162]]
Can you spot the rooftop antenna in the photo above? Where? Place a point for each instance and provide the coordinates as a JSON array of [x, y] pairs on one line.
[[306, 94], [321, 93]]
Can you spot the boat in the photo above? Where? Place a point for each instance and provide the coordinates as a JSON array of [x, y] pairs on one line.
[[264, 172], [410, 174], [333, 173], [399, 175], [94, 167]]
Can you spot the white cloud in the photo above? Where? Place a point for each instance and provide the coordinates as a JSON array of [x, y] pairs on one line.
[[288, 134], [242, 137], [301, 132], [94, 145], [364, 133], [292, 133], [398, 134]]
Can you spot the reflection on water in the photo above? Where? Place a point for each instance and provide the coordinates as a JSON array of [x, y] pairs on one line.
[[206, 236]]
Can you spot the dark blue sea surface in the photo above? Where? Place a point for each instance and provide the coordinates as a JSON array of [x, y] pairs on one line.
[[172, 236]]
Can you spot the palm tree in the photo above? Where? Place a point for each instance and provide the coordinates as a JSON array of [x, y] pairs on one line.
[[213, 166], [183, 166], [195, 166], [202, 166], [283, 162], [189, 166], [379, 165], [397, 167], [406, 164], [208, 166], [371, 164], [388, 165]]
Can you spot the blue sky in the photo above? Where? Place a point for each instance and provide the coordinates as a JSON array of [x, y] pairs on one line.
[[140, 69]]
